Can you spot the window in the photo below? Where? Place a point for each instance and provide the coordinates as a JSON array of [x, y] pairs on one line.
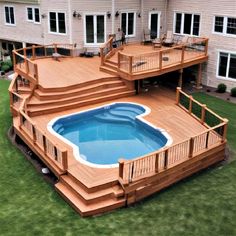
[[187, 23], [128, 23], [57, 22], [225, 25], [227, 65], [9, 15], [33, 14]]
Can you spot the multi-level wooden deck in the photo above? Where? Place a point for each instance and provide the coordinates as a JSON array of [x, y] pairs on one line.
[[44, 88]]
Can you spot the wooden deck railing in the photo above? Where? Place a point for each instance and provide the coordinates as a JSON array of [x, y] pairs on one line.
[[37, 137], [162, 59], [23, 59], [148, 165], [106, 50]]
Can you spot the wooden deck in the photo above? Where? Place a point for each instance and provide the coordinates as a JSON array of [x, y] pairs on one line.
[[44, 89]]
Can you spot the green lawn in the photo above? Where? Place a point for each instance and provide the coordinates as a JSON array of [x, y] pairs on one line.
[[204, 204]]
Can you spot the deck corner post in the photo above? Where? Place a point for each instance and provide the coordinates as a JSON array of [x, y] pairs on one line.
[[225, 130], [160, 60], [190, 107], [121, 168], [34, 134], [130, 64], [44, 145], [64, 160], [191, 147], [157, 163], [33, 52], [203, 113], [178, 89], [55, 47], [166, 159]]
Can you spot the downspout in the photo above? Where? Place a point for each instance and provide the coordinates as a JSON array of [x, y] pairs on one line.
[[70, 21], [113, 16]]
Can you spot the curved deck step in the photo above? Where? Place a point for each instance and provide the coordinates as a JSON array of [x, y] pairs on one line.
[[74, 91], [45, 110], [86, 95], [91, 209], [108, 70]]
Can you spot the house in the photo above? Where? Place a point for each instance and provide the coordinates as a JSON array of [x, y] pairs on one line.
[[43, 22]]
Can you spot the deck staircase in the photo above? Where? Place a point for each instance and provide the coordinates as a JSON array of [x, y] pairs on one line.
[[90, 200], [109, 67], [48, 100]]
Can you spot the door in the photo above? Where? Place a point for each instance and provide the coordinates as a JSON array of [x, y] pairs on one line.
[[94, 29], [154, 24]]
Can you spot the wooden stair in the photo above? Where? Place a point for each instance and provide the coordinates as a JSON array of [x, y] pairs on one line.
[[88, 201], [48, 100], [109, 67]]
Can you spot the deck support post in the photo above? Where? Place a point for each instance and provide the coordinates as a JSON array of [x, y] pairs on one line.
[[191, 147], [199, 77], [137, 86], [225, 130], [203, 113], [177, 95], [180, 83]]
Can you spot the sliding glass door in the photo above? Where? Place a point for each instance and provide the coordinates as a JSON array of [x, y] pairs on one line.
[[154, 24]]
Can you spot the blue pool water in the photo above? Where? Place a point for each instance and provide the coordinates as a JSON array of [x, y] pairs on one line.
[[106, 134]]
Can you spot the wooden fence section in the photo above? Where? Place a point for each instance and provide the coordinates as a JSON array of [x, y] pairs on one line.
[[162, 59], [38, 138], [23, 59], [163, 159]]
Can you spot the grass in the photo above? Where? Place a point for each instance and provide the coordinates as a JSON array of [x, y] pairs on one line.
[[204, 204]]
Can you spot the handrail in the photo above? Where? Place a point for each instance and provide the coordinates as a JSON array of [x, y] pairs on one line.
[[159, 60], [164, 158], [106, 50]]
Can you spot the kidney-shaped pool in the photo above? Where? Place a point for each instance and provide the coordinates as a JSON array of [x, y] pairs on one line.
[[103, 135]]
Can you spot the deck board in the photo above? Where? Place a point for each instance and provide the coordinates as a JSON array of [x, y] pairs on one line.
[[164, 114]]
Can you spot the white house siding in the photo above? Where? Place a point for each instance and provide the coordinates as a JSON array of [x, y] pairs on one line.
[[208, 9], [23, 31]]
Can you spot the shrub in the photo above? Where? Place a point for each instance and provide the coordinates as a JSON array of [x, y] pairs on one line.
[[6, 65], [233, 92], [5, 68], [221, 88]]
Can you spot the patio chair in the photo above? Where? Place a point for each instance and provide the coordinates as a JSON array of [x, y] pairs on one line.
[[147, 37], [169, 39]]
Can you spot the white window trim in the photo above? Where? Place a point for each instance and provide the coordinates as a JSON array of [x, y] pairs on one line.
[[135, 21], [224, 33], [105, 28], [8, 24], [159, 21], [33, 14], [182, 23], [56, 33], [227, 69]]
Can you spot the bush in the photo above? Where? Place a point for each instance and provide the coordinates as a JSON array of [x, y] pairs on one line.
[[5, 68], [233, 92], [221, 88], [6, 65]]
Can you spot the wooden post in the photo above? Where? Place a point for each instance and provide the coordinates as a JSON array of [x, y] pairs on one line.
[[36, 75], [207, 138], [203, 113], [44, 145], [33, 52], [157, 163], [191, 147], [178, 89], [180, 78], [130, 64], [182, 54], [121, 168], [225, 130], [199, 77], [34, 134], [55, 47], [119, 60], [27, 65], [102, 55], [190, 104], [160, 60], [64, 160], [166, 158], [206, 47], [14, 59]]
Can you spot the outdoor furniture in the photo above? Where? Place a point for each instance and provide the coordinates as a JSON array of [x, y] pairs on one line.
[[169, 39], [56, 56], [146, 37]]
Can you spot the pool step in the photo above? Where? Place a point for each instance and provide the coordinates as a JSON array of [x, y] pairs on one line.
[[34, 111], [91, 209]]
